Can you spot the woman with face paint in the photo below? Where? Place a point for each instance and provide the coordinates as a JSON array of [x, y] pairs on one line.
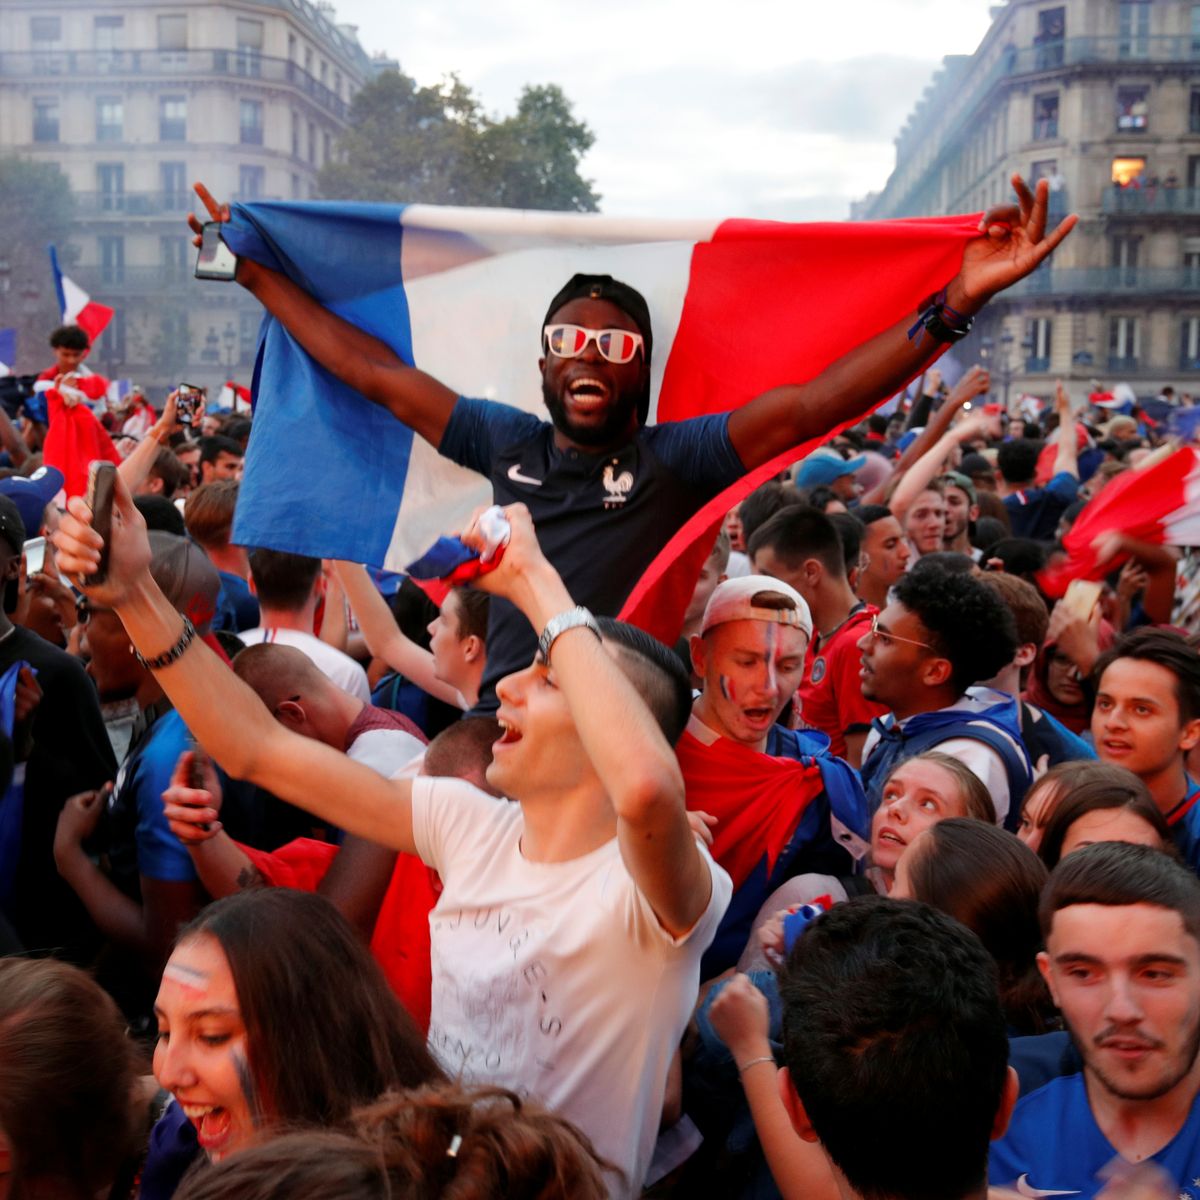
[[271, 1013]]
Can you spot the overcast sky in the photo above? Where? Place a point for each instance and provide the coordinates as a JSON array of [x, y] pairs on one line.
[[760, 108]]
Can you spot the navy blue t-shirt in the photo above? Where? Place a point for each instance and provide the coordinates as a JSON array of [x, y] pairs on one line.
[[1054, 1146], [601, 518]]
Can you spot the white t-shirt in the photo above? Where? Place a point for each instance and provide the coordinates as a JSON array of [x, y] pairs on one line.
[[555, 980], [339, 667]]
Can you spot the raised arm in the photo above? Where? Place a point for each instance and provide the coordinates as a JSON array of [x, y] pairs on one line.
[[384, 637], [1012, 242], [224, 715], [135, 469], [1066, 460], [620, 736], [930, 464], [363, 362]]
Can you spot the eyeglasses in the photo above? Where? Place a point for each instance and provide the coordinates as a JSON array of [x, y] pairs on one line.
[[615, 345], [886, 638]]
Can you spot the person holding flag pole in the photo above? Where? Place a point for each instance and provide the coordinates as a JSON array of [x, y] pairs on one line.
[[608, 492]]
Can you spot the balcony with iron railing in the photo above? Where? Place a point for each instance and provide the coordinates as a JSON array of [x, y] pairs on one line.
[[1049, 280], [1151, 201], [91, 205], [45, 67]]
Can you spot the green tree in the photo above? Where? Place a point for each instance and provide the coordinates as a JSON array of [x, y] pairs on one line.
[[434, 145], [38, 210]]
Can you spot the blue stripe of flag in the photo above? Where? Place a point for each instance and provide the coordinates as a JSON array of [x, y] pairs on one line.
[[305, 488]]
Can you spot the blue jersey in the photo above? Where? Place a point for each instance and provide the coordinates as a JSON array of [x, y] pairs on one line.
[[1184, 820], [1054, 1147]]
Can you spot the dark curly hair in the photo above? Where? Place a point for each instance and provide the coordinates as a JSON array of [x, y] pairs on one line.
[[967, 622]]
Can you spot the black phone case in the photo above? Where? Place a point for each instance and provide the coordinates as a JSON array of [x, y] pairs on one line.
[[102, 484]]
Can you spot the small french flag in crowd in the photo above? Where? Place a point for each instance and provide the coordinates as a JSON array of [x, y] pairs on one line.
[[118, 389], [76, 306], [234, 398]]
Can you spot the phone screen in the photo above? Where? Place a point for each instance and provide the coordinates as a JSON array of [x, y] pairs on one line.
[[215, 260], [35, 555]]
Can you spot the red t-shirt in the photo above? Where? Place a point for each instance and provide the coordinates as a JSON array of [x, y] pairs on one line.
[[830, 695]]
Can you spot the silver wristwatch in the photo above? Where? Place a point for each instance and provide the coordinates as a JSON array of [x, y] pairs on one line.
[[556, 626]]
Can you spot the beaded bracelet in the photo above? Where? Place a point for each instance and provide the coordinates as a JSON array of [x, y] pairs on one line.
[[167, 657]]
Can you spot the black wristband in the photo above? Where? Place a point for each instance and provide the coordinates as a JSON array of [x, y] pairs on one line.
[[940, 321]]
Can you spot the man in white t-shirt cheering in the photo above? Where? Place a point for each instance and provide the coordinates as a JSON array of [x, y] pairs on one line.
[[566, 943]]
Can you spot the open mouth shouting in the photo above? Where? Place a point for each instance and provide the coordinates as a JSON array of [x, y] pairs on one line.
[[213, 1123]]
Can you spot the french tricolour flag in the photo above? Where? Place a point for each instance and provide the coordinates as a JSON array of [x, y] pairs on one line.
[[76, 306], [1157, 502], [737, 306]]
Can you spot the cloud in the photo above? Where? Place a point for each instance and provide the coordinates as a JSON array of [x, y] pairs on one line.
[[773, 108]]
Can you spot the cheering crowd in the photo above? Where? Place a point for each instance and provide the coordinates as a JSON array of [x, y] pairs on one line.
[[881, 882]]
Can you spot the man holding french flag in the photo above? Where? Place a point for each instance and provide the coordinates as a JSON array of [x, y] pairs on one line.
[[752, 309]]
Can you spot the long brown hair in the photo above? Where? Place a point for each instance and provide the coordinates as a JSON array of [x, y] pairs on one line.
[[67, 1079], [324, 1032], [989, 880]]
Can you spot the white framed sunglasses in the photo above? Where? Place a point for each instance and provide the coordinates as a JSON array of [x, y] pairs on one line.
[[615, 345]]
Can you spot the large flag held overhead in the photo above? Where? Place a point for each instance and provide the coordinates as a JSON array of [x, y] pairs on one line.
[[76, 306], [738, 307]]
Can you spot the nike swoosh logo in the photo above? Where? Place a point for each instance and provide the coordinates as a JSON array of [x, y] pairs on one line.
[[514, 473], [1025, 1188]]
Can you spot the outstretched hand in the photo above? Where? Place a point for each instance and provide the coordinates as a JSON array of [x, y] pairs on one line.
[[216, 212], [79, 546], [1013, 242]]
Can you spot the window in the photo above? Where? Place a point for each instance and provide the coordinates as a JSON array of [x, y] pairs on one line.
[[110, 182], [295, 134], [1048, 42], [1195, 30], [1038, 334], [112, 258], [1133, 108], [172, 32], [1045, 116], [45, 33], [291, 47], [250, 182], [1191, 261], [1123, 342], [1123, 257], [297, 194], [326, 148], [249, 46], [1189, 344], [107, 33], [337, 84], [1128, 172], [308, 59], [172, 118], [1133, 29], [110, 118], [45, 119], [172, 182], [312, 142], [251, 118], [324, 73], [173, 257]]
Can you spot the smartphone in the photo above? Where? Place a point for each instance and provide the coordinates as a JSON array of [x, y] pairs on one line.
[[196, 774], [101, 489], [188, 401], [35, 555], [215, 260]]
